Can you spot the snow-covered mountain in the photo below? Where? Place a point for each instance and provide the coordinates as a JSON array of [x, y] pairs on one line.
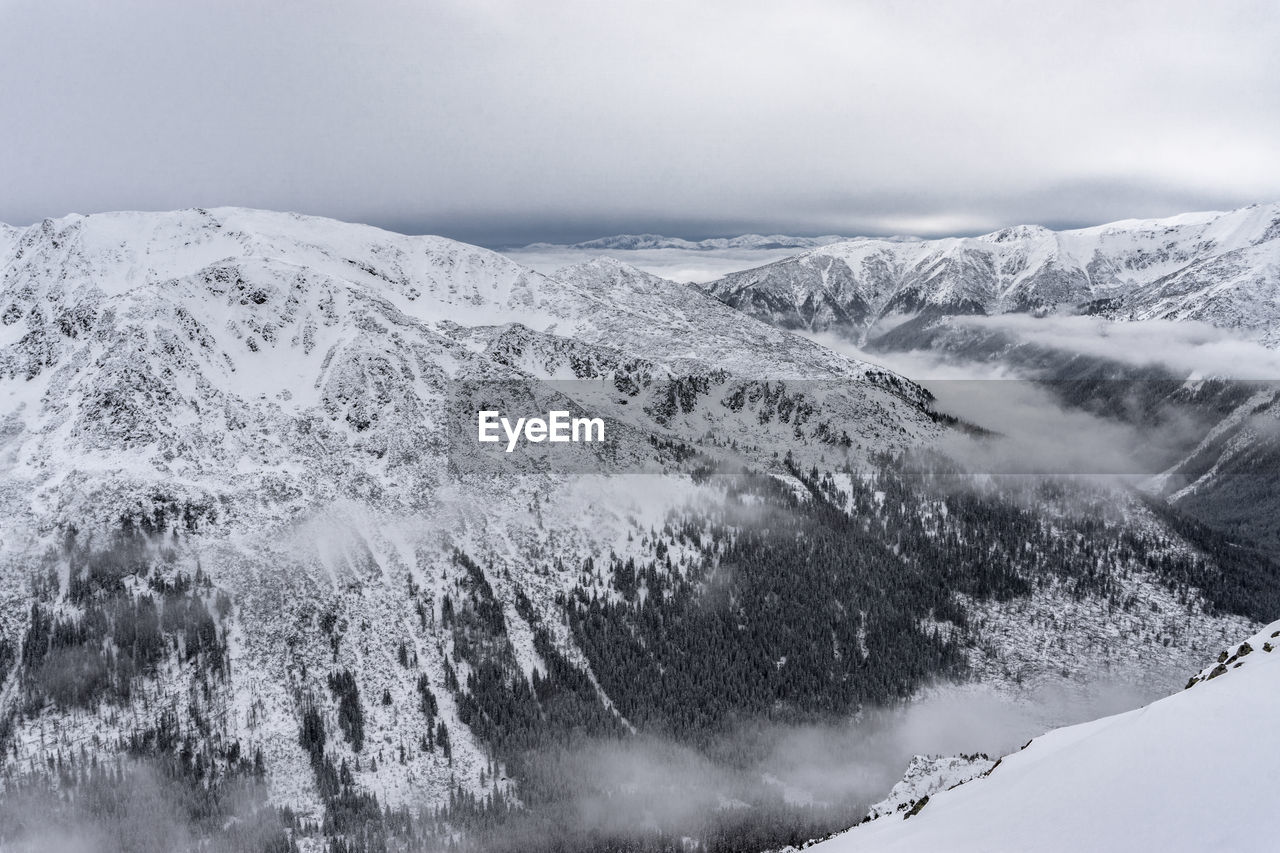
[[1191, 772], [633, 242], [248, 533], [178, 341], [279, 388], [275, 395], [1237, 289], [1222, 268]]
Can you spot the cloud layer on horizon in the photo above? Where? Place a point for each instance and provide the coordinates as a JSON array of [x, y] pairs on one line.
[[504, 122]]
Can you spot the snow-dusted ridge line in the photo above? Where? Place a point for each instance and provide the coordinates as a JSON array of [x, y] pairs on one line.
[[635, 242], [1237, 656], [213, 355], [1219, 267], [1192, 772]]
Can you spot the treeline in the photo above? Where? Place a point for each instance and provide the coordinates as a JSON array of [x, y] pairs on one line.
[[174, 785], [156, 804], [520, 718], [781, 605], [789, 601], [92, 644], [1235, 574], [788, 609]]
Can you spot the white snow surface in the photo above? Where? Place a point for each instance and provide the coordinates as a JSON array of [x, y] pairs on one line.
[[1193, 772]]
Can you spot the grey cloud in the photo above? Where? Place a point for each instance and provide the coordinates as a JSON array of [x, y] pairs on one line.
[[505, 122], [1187, 347], [1034, 431], [618, 787]]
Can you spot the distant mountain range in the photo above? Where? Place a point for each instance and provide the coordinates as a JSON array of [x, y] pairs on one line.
[[1221, 268], [632, 242]]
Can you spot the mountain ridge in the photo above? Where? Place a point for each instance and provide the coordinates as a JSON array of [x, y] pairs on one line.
[[1131, 269], [633, 242], [263, 401]]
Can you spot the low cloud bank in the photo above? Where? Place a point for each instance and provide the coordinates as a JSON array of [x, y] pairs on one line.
[[1035, 431], [1030, 430], [763, 777], [1189, 348]]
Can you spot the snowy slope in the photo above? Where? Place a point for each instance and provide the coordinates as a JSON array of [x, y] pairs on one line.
[[676, 324], [1216, 267], [1192, 772], [277, 391], [171, 345], [925, 776], [1238, 289]]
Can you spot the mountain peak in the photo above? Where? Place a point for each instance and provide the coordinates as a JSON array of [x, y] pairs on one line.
[[602, 266], [1017, 232]]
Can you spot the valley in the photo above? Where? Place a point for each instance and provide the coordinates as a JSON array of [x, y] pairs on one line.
[[258, 569]]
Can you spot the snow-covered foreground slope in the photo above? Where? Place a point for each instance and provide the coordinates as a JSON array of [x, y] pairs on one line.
[[1221, 268], [1193, 772]]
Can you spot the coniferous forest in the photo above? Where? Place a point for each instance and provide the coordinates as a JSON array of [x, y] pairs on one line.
[[784, 604]]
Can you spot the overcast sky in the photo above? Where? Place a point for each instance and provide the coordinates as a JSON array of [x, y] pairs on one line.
[[505, 122]]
